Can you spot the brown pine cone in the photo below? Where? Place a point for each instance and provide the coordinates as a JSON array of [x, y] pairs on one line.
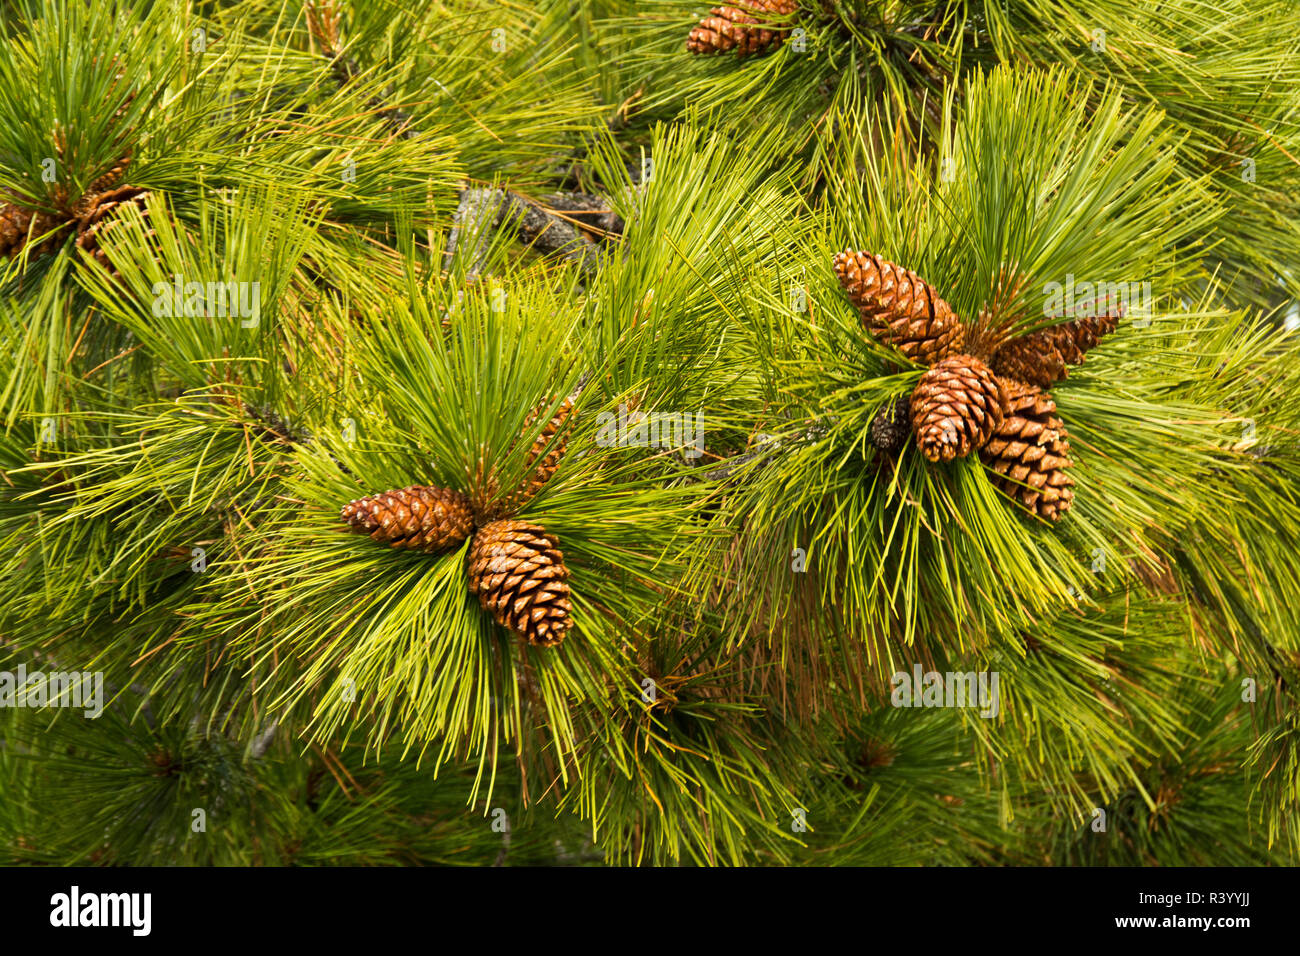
[[1029, 453], [17, 222], [84, 206], [519, 576], [1074, 339], [956, 407], [422, 517], [99, 218], [546, 461], [743, 28], [1040, 358], [899, 308], [14, 223]]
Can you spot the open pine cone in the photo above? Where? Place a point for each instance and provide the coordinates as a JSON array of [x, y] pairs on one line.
[[1029, 453], [899, 308], [542, 461], [100, 219], [1040, 358], [85, 205], [91, 214], [891, 425], [990, 399], [519, 576], [743, 28], [422, 517], [956, 407], [18, 222]]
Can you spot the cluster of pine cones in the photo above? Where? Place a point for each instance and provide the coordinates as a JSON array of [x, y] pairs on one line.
[[751, 26], [985, 389], [91, 215], [514, 568]]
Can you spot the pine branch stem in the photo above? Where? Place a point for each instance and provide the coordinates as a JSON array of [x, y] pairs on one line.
[[262, 742], [476, 211]]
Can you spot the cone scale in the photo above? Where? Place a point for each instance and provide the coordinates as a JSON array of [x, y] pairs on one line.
[[545, 454], [99, 221]]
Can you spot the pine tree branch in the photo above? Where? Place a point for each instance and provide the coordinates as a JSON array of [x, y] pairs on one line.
[[548, 234], [477, 210], [593, 212], [578, 389], [323, 23], [276, 424], [262, 742], [481, 210], [777, 445]]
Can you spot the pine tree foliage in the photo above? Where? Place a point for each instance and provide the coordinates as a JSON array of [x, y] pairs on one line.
[[364, 247], [1224, 74]]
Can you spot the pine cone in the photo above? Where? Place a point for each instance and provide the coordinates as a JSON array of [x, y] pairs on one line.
[[100, 215], [899, 308], [891, 426], [519, 576], [742, 28], [16, 223], [99, 201], [423, 517], [1040, 358], [957, 406], [1029, 453], [102, 184], [546, 461]]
